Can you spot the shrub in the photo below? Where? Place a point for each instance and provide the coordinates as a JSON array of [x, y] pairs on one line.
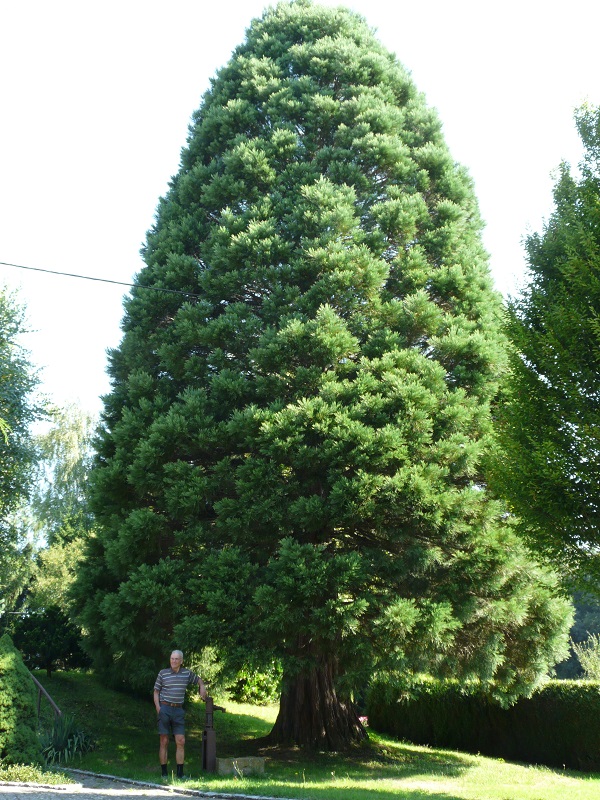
[[257, 686], [65, 741], [28, 773], [19, 742], [588, 653], [558, 726]]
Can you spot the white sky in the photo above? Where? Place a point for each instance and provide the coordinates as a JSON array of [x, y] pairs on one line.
[[95, 100]]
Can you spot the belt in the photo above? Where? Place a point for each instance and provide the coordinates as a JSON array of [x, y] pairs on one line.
[[173, 705]]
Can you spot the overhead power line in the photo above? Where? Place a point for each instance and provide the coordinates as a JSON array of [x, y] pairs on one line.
[[100, 280]]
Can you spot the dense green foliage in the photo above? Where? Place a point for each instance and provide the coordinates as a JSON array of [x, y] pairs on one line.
[[16, 569], [558, 725], [18, 721], [290, 461], [551, 425], [17, 411], [16, 408], [47, 639], [259, 687]]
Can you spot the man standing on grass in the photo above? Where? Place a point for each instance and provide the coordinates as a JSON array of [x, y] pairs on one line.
[[169, 694]]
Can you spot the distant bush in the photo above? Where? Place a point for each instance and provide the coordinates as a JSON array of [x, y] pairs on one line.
[[257, 686], [65, 741], [19, 742], [558, 726], [588, 653]]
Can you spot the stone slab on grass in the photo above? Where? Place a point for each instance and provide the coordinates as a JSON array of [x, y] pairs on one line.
[[248, 765]]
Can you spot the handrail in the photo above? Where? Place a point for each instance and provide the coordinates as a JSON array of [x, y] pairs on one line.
[[42, 691]]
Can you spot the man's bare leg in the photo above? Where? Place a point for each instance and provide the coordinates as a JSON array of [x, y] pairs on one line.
[[179, 753], [162, 752]]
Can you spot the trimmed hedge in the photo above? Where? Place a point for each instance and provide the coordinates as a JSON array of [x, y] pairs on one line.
[[559, 726], [19, 743]]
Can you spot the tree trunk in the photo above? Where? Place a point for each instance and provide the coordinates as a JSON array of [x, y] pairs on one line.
[[312, 715]]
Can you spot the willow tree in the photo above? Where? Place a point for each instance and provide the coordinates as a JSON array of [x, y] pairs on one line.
[[290, 463]]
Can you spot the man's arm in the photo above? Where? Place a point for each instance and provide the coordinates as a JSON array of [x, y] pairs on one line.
[[202, 689], [156, 701]]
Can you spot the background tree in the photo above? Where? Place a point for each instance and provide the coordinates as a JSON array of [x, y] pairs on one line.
[[59, 500], [17, 565], [58, 518], [17, 412], [53, 574], [290, 461], [551, 423], [47, 639]]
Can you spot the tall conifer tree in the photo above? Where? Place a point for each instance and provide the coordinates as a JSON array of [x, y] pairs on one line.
[[551, 423], [290, 463]]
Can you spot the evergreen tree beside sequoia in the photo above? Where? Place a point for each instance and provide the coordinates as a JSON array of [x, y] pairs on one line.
[[290, 461], [550, 426]]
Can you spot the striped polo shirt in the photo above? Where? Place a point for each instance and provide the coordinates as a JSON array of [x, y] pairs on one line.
[[171, 685]]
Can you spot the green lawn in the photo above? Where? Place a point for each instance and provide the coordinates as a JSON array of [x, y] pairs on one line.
[[381, 770]]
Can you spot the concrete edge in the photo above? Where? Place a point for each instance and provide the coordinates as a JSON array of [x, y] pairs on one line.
[[172, 789], [61, 787]]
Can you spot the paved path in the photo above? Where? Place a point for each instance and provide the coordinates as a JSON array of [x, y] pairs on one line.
[[91, 787], [84, 793]]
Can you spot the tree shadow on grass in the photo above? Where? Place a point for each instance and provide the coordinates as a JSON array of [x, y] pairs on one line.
[[376, 770], [382, 759], [375, 793]]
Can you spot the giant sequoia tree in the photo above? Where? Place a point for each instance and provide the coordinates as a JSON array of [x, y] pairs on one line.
[[290, 463], [551, 424]]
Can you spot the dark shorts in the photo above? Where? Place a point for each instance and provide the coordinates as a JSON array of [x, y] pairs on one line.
[[171, 721]]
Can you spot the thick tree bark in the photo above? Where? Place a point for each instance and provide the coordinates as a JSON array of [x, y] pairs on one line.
[[312, 715]]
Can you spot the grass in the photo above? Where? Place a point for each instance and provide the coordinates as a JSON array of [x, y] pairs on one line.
[[383, 769]]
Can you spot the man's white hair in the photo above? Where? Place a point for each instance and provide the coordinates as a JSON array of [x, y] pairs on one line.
[[177, 653]]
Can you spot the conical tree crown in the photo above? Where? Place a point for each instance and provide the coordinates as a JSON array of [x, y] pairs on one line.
[[292, 448]]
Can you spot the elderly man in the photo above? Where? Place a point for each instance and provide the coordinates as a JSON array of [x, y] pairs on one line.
[[169, 694]]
